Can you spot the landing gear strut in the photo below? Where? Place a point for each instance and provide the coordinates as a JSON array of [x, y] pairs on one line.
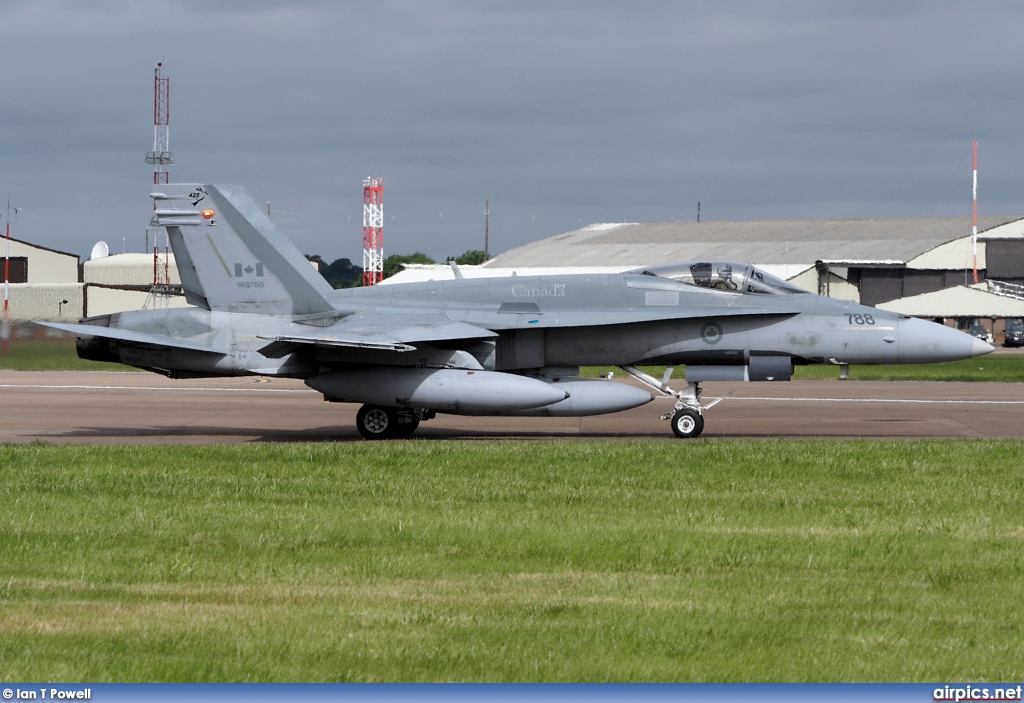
[[688, 415]]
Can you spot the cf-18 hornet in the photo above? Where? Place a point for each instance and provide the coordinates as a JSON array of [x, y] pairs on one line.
[[483, 346]]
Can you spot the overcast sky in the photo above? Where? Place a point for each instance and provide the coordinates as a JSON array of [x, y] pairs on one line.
[[561, 114]]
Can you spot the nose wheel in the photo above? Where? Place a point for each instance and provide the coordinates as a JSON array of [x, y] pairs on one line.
[[687, 424]]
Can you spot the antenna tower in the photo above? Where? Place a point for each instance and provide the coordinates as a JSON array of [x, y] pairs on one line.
[[974, 199], [373, 231], [161, 157]]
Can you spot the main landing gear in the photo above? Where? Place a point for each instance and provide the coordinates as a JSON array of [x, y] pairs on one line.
[[687, 417], [377, 422]]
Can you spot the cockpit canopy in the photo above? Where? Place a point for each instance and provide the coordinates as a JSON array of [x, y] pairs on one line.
[[722, 275]]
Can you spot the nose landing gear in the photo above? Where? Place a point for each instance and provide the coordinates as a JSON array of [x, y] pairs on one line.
[[687, 423], [687, 417]]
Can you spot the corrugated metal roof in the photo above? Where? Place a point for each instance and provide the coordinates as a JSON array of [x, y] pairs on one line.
[[758, 242], [416, 273], [46, 301], [959, 301], [130, 269]]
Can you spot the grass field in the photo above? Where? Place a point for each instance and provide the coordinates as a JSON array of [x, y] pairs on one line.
[[514, 561], [36, 355], [1000, 368], [1006, 368]]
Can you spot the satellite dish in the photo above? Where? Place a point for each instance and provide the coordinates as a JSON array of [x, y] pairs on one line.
[[100, 250]]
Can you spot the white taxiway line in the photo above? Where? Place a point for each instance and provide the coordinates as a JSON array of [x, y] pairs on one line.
[[881, 400], [195, 389], [185, 389]]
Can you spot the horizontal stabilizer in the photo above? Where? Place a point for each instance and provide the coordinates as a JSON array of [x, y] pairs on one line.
[[156, 340]]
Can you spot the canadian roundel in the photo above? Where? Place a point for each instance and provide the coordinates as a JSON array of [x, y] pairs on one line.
[[711, 333]]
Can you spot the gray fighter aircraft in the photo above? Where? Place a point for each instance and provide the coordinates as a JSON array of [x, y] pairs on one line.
[[498, 346]]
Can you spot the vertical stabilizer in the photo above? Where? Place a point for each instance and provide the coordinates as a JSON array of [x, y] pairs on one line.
[[231, 257]]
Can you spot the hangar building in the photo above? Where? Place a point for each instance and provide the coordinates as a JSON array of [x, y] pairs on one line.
[[46, 284], [871, 261], [921, 267], [47, 265]]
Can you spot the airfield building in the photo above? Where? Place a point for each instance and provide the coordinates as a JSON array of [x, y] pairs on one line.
[[922, 267], [871, 261], [46, 284]]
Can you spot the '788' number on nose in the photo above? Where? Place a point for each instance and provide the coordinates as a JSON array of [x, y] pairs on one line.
[[859, 319]]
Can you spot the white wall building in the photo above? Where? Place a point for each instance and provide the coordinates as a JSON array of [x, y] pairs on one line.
[[31, 263]]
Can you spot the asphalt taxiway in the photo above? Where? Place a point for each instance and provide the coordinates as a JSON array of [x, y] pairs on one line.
[[140, 408]]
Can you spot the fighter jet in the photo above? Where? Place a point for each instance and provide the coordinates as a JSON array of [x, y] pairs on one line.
[[498, 346]]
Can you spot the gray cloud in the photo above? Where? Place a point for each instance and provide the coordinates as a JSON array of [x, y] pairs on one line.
[[559, 113]]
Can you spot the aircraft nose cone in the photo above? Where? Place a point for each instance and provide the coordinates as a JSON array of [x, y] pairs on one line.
[[981, 347], [922, 342]]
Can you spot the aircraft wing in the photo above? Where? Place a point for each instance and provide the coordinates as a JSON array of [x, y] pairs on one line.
[[156, 340], [384, 331]]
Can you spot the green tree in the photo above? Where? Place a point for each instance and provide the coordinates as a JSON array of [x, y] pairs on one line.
[[393, 263], [470, 257], [340, 273]]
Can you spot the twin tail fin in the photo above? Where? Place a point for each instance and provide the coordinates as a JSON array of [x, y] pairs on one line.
[[232, 257]]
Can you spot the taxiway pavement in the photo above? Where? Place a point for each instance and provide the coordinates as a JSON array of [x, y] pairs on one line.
[[140, 408]]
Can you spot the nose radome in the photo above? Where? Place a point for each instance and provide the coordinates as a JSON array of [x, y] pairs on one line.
[[922, 342], [981, 347]]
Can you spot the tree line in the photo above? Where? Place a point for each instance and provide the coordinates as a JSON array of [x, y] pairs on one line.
[[342, 273]]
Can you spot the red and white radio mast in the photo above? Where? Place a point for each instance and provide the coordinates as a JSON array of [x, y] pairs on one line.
[[161, 157], [373, 231]]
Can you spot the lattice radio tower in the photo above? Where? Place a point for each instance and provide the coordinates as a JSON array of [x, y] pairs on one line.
[[373, 231], [161, 158]]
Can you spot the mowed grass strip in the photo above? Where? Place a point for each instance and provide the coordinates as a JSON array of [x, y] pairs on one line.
[[514, 561], [1003, 367], [51, 355], [61, 355]]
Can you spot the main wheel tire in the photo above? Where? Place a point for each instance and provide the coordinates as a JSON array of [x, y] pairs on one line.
[[375, 422], [687, 424], [405, 427]]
